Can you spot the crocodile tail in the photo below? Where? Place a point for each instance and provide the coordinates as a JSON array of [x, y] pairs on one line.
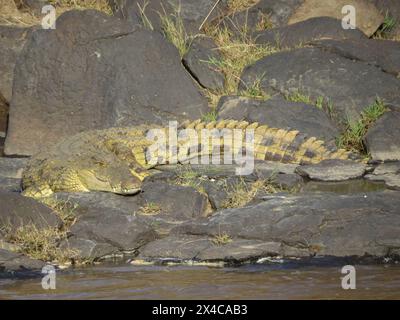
[[276, 144]]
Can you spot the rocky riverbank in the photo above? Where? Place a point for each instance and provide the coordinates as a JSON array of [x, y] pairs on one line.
[[289, 64]]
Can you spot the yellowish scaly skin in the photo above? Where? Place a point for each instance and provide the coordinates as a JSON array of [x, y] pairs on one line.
[[114, 160]]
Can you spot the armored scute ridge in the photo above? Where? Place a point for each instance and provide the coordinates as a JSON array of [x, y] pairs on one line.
[[117, 159]]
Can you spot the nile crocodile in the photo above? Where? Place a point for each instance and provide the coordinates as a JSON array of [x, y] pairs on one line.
[[116, 159]]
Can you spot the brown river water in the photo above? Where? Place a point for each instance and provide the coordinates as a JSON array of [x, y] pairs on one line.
[[277, 281]]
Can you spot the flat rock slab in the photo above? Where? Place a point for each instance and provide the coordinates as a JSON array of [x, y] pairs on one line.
[[383, 54], [387, 168], [302, 33], [351, 86], [105, 73], [17, 211], [202, 51], [11, 263], [382, 139], [189, 247], [313, 224], [389, 173], [333, 170], [368, 17], [280, 113]]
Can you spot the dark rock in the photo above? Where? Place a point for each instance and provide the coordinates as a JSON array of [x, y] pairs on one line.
[[12, 167], [177, 203], [387, 168], [104, 231], [343, 187], [262, 15], [301, 33], [191, 12], [17, 211], [217, 193], [287, 181], [351, 86], [161, 205], [389, 173], [383, 54], [312, 224], [90, 249], [104, 73], [279, 113], [333, 170], [185, 248], [12, 40], [382, 139], [106, 200], [11, 262], [368, 17], [240, 250], [201, 51], [188, 248], [10, 184]]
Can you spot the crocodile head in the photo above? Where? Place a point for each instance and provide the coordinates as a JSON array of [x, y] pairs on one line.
[[119, 180]]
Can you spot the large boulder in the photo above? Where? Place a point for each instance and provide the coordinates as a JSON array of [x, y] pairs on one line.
[[368, 17], [350, 86], [356, 225], [192, 13], [18, 211], [280, 113], [301, 33], [95, 71], [198, 59], [382, 139], [383, 54]]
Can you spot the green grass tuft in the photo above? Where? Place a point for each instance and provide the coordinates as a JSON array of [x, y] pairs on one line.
[[174, 30], [387, 26], [210, 116], [352, 137]]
